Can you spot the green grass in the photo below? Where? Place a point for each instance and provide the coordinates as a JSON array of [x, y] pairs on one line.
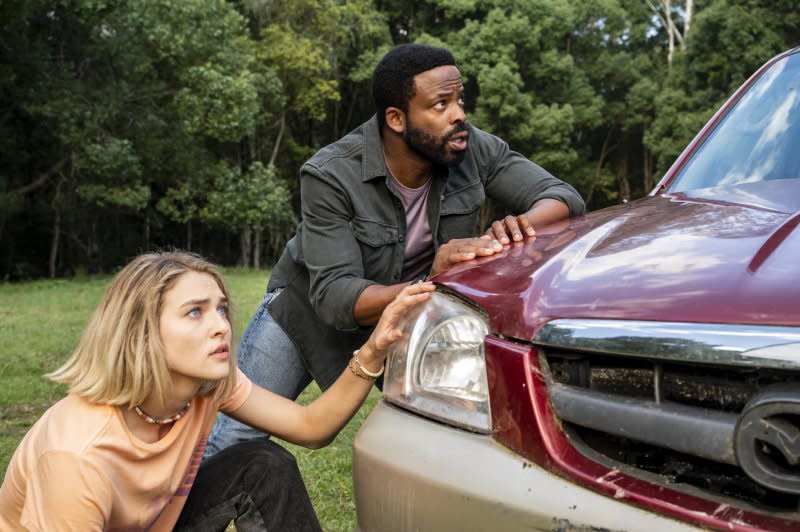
[[40, 324]]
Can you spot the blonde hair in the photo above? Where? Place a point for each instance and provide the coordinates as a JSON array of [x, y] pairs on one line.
[[120, 359]]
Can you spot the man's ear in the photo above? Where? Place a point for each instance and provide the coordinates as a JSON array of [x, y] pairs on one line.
[[396, 119]]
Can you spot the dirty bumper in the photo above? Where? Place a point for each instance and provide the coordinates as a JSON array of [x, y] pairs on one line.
[[410, 473]]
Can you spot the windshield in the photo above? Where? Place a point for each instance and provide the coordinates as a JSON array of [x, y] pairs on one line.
[[758, 140]]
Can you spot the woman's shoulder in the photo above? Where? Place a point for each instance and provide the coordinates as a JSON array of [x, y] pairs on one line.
[[70, 425]]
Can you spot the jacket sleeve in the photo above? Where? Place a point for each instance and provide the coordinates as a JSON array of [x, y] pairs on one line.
[[65, 493], [330, 249], [517, 182]]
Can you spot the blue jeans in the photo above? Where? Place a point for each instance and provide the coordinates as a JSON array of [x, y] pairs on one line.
[[270, 359]]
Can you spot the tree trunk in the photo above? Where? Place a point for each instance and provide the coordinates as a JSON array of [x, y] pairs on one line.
[[689, 9], [54, 243], [349, 117], [648, 170], [245, 238], [669, 25], [278, 140], [189, 235], [252, 145], [623, 182], [336, 110], [604, 151], [147, 229], [667, 4], [257, 249], [42, 178], [93, 247]]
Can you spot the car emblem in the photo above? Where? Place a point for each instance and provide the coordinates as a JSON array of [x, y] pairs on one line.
[[767, 438]]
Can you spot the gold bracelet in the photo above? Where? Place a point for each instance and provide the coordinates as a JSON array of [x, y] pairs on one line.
[[359, 370]]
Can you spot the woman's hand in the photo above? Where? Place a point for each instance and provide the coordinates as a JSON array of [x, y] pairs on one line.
[[316, 424], [374, 351]]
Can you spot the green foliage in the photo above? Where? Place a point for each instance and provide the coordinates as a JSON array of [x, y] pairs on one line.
[[254, 198], [109, 158], [134, 196], [302, 68], [723, 51], [181, 202], [218, 105], [130, 116], [676, 124], [111, 170]]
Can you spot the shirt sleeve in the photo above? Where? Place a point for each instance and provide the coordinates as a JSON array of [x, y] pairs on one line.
[[517, 182], [330, 249], [65, 492], [241, 391]]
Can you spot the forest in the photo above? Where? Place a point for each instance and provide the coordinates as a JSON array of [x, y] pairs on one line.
[[129, 125]]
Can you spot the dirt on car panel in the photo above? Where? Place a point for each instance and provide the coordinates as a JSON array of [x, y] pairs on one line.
[[564, 525]]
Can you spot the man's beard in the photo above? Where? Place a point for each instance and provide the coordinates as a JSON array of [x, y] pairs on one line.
[[434, 148]]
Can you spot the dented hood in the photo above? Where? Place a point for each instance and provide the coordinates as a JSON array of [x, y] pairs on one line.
[[726, 255]]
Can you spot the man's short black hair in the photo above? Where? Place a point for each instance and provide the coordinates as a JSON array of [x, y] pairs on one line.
[[393, 78]]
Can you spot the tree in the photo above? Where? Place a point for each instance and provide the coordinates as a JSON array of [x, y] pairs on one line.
[[251, 201], [119, 120]]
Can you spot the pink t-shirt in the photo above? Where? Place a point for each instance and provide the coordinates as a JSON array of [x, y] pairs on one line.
[[419, 242], [80, 468]]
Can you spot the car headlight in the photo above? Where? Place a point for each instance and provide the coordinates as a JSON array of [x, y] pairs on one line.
[[438, 369]]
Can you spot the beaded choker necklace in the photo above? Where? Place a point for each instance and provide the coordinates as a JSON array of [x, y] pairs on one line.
[[162, 421]]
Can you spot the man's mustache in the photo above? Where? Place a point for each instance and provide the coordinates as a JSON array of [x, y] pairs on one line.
[[458, 129]]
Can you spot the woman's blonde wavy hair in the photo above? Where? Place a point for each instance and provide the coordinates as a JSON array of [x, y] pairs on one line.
[[120, 359]]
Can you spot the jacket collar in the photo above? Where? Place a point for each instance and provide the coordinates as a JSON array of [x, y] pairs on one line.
[[373, 164]]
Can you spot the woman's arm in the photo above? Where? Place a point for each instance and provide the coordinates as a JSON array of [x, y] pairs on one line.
[[315, 425]]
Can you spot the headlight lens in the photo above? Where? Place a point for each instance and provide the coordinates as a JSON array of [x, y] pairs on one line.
[[439, 368]]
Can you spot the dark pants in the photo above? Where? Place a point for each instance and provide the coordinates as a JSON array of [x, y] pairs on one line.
[[256, 484]]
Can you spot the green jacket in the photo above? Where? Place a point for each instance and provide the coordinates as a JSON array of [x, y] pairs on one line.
[[353, 228]]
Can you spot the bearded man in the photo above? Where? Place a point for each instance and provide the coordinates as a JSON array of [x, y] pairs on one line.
[[393, 201]]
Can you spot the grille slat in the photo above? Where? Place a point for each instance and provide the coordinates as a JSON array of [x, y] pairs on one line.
[[712, 409], [696, 431]]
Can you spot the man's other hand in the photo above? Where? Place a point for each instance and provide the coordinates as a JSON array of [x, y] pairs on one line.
[[515, 228], [511, 228]]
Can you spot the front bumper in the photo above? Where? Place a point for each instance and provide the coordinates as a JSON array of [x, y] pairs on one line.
[[410, 473]]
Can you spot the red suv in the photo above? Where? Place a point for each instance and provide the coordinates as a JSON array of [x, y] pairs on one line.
[[637, 368]]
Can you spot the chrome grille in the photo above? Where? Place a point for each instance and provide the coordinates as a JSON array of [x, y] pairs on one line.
[[673, 403]]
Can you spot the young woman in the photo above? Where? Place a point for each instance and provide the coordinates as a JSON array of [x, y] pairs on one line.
[[122, 451]]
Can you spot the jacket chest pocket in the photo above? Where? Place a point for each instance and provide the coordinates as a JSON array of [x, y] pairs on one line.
[[378, 242], [460, 210]]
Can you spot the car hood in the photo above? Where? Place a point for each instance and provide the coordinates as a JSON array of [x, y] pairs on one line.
[[726, 255]]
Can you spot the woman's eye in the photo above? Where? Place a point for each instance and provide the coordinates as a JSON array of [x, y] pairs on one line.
[[223, 311], [194, 313]]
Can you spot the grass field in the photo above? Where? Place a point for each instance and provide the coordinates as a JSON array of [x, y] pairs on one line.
[[40, 323]]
